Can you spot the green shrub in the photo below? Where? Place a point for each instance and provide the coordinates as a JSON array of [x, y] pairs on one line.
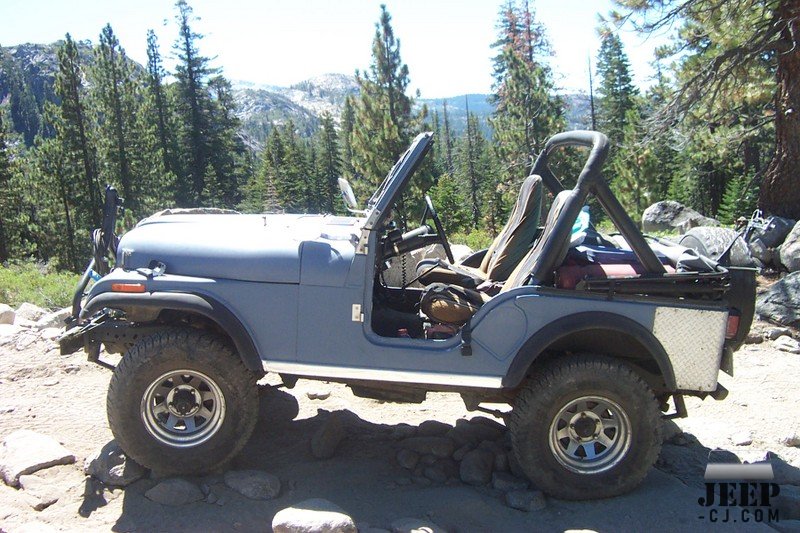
[[36, 283], [476, 239]]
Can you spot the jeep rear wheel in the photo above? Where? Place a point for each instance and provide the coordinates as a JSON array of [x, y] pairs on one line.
[[585, 428], [182, 402]]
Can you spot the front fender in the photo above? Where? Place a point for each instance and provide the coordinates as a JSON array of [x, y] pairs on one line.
[[193, 303]]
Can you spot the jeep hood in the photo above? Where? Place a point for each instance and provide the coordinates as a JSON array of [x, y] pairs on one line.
[[265, 248]]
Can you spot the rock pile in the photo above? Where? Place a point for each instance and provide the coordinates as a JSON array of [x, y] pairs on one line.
[[476, 452], [29, 324]]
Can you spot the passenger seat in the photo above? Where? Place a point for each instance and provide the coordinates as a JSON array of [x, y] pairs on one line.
[[505, 252]]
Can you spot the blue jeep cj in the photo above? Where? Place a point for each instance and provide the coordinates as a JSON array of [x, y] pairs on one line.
[[587, 336]]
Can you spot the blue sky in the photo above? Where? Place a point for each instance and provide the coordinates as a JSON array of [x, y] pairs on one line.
[[446, 43]]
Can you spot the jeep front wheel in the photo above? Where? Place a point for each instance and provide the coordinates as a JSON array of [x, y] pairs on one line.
[[182, 402], [586, 427]]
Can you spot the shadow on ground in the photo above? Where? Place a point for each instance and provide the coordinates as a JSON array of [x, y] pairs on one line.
[[364, 479]]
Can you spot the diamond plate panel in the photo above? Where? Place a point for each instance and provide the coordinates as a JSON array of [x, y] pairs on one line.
[[693, 341]]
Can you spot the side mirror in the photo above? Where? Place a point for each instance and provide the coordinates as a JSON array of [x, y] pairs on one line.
[[348, 196]]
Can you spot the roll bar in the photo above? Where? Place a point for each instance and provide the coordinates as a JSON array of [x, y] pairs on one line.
[[591, 181]]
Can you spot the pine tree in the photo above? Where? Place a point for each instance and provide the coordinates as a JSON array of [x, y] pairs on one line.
[[472, 167], [447, 139], [661, 143], [228, 155], [347, 125], [384, 123], [73, 127], [737, 67], [260, 194], [192, 100], [634, 168], [115, 106], [740, 199], [616, 91], [6, 199], [330, 163], [160, 105], [451, 204], [74, 144], [526, 110]]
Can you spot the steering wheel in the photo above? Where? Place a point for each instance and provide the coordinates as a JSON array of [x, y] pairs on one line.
[[439, 228]]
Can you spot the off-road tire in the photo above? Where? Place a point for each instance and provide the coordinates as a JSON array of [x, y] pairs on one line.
[[168, 351], [712, 242], [541, 402]]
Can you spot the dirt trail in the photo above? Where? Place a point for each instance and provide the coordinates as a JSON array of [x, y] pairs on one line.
[[64, 397]]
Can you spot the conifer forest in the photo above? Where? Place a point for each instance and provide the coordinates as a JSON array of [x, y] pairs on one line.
[[718, 130]]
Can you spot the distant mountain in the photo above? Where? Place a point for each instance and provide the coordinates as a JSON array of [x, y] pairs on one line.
[[260, 107], [27, 74], [578, 111], [457, 107]]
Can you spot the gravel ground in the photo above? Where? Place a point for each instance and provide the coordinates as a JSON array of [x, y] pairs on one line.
[[64, 397]]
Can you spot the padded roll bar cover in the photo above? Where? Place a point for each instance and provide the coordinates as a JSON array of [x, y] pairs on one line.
[[589, 181], [596, 141]]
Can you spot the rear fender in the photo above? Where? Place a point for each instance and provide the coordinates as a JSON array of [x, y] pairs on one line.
[[560, 331]]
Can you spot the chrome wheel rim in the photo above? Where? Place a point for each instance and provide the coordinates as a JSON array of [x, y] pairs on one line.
[[183, 408], [590, 434]]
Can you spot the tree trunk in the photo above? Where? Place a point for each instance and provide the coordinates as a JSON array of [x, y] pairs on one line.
[[780, 191]]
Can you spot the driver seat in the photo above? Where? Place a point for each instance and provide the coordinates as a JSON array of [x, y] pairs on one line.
[[505, 252], [451, 304]]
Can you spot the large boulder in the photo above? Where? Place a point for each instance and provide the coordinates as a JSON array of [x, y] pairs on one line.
[[111, 466], [476, 467], [174, 492], [669, 215], [25, 452], [327, 438], [7, 314], [314, 515], [790, 250], [253, 484], [781, 302], [31, 312], [54, 320]]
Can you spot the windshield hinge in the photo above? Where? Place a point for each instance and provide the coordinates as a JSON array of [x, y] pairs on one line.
[[361, 246], [357, 316]]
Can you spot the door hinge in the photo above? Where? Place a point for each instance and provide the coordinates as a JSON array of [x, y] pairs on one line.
[[358, 316]]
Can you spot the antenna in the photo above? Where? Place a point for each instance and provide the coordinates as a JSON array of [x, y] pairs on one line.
[[591, 93]]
